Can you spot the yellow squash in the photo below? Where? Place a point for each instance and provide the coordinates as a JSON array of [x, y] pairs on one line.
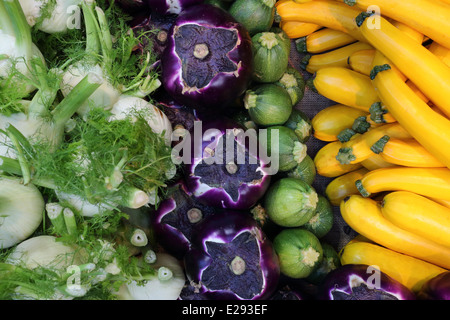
[[330, 121], [324, 40], [326, 163], [343, 186], [416, 62], [409, 271], [428, 127], [361, 61], [334, 58], [429, 182], [362, 146], [297, 29], [364, 216], [346, 87], [330, 14], [429, 17], [418, 214], [410, 153], [376, 161], [441, 52]]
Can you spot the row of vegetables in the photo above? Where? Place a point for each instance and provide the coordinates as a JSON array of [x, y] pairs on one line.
[[122, 201], [385, 138]]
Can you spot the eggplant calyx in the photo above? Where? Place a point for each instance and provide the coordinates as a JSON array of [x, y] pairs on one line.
[[194, 215], [231, 167], [237, 265], [201, 51]]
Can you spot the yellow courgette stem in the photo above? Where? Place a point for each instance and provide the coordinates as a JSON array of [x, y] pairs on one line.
[[326, 163], [418, 214], [330, 121], [409, 271], [427, 17], [362, 146], [416, 62], [428, 127], [410, 153], [334, 58], [343, 186], [364, 216], [297, 29], [324, 40], [330, 14], [429, 182]]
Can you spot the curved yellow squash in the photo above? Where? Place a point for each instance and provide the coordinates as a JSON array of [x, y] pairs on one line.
[[364, 216], [409, 271]]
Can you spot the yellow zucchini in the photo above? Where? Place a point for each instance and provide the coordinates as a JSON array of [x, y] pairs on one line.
[[416, 62], [441, 52], [410, 153], [362, 146], [334, 58], [409, 271], [364, 216], [345, 86], [330, 14], [413, 33], [429, 182], [445, 203], [324, 40], [343, 186], [326, 163], [428, 127], [376, 161], [418, 214], [428, 17], [330, 121], [297, 29], [361, 61]]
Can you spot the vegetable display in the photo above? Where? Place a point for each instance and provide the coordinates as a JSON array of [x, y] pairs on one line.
[[224, 150]]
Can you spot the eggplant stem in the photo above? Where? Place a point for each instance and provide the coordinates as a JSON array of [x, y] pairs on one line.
[[201, 51]]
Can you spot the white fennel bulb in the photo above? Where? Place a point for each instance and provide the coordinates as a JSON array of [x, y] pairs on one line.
[[104, 97], [155, 118], [60, 15], [21, 208], [157, 288]]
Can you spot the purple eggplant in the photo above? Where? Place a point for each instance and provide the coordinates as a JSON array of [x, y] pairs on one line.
[[207, 63], [225, 170], [436, 288], [176, 217], [171, 6], [231, 258], [362, 282]]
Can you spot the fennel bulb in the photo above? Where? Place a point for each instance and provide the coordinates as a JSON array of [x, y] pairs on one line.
[[156, 119], [45, 251], [104, 97], [51, 16], [21, 208], [156, 287]]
